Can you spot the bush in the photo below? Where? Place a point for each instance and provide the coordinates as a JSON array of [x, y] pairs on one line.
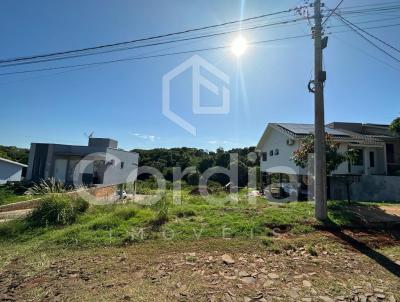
[[162, 214], [46, 186], [57, 210]]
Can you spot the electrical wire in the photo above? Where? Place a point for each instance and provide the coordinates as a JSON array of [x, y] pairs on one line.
[[150, 44], [371, 35], [147, 57], [142, 39], [365, 38]]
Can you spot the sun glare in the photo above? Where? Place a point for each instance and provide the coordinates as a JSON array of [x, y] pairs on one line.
[[239, 46]]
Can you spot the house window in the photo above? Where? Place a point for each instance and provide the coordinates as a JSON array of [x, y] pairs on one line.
[[264, 156], [276, 151], [359, 158], [271, 153], [122, 164], [372, 159]]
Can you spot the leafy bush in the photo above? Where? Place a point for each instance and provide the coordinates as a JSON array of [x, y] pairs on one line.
[[57, 209]]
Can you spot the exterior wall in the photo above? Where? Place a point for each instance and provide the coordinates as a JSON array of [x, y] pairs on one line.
[[370, 188], [115, 173], [278, 163], [9, 172]]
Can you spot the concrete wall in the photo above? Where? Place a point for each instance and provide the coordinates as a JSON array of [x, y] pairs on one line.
[[370, 188], [9, 172], [116, 172]]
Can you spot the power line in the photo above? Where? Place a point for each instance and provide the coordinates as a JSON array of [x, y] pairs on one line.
[[168, 54], [150, 44], [373, 36], [142, 39], [147, 57], [365, 38], [331, 13]]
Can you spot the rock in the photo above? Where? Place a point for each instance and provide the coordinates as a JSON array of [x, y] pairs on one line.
[[248, 280], [326, 299], [227, 259], [268, 283], [380, 296], [127, 298], [243, 274], [307, 283], [362, 298], [273, 276], [306, 300], [392, 299], [293, 294]]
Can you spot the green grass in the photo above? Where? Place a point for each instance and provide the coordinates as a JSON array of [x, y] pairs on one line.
[[8, 195], [194, 219]]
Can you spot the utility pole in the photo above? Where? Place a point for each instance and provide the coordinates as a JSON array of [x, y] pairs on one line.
[[319, 131]]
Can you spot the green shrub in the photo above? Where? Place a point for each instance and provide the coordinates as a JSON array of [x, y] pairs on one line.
[[125, 213], [162, 213], [57, 210], [104, 223], [185, 213]]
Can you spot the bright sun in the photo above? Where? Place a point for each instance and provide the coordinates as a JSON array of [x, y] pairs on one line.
[[239, 46]]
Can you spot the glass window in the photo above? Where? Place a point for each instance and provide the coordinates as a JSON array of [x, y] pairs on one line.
[[122, 164], [264, 156], [276, 151], [271, 153]]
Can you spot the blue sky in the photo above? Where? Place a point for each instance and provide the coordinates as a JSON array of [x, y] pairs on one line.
[[124, 100]]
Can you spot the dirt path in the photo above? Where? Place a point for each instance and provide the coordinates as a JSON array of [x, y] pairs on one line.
[[318, 267]]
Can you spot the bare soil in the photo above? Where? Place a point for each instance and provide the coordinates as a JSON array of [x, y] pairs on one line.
[[317, 267]]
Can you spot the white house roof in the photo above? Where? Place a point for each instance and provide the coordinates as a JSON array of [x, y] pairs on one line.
[[12, 162]]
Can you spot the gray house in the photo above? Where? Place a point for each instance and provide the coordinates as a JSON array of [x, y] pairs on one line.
[[99, 163], [10, 170]]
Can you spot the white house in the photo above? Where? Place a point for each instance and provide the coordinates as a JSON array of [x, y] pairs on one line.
[[10, 170], [376, 166]]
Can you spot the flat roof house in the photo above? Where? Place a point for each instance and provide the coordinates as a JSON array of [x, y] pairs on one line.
[[10, 170], [377, 167], [99, 163]]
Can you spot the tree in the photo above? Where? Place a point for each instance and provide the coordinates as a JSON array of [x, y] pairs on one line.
[[333, 157], [395, 126]]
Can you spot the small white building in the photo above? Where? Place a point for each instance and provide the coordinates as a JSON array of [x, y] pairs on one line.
[[376, 169], [10, 170]]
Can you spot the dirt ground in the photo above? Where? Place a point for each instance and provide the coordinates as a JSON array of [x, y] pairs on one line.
[[317, 267]]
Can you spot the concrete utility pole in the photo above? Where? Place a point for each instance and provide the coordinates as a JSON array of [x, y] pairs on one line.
[[319, 139]]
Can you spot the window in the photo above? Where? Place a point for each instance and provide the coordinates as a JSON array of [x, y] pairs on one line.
[[264, 156], [359, 158], [372, 159], [271, 153], [276, 151], [122, 164]]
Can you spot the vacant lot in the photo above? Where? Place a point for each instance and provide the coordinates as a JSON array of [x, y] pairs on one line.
[[202, 251]]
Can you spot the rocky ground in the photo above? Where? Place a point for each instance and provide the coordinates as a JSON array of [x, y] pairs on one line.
[[316, 267]]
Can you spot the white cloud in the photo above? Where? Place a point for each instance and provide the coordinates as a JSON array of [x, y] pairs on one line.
[[220, 143], [151, 138]]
